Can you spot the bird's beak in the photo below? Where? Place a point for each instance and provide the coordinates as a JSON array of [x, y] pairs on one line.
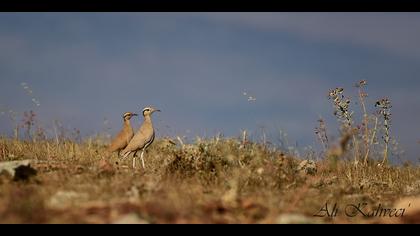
[[157, 110], [134, 114]]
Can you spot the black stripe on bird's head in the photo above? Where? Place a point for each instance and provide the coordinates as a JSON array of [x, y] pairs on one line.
[[149, 110], [128, 115]]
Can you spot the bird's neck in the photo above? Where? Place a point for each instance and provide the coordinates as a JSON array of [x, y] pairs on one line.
[[127, 122], [147, 119]]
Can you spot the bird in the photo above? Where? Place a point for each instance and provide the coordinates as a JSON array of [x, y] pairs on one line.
[[122, 139], [143, 137]]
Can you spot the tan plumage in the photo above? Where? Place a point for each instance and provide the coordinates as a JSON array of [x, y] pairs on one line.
[[143, 138], [122, 139]]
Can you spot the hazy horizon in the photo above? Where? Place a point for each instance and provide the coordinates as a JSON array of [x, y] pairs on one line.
[[201, 68]]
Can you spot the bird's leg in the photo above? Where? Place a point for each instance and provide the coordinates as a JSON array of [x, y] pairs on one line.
[[125, 155], [142, 160], [134, 159]]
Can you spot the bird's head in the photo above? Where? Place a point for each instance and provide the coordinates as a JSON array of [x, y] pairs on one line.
[[128, 115], [149, 110]]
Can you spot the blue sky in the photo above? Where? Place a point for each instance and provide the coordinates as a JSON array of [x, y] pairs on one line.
[[87, 67]]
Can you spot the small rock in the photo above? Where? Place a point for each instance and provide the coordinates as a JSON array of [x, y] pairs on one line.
[[24, 173], [18, 170], [9, 166], [296, 219], [131, 218], [307, 167]]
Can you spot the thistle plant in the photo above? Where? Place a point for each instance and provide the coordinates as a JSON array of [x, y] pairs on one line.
[[367, 140], [341, 106], [384, 109], [341, 111], [362, 95], [366, 131]]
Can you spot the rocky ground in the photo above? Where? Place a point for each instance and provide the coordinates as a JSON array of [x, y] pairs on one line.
[[210, 181]]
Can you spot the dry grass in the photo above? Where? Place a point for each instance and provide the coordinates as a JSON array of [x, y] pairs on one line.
[[218, 180], [210, 181]]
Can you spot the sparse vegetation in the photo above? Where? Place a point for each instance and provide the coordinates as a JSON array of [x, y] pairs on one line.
[[363, 133], [217, 180], [384, 106], [204, 182]]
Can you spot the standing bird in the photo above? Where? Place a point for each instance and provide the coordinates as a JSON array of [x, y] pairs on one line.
[[124, 136], [143, 138]]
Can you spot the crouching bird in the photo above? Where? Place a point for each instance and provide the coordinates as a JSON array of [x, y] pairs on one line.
[[143, 138]]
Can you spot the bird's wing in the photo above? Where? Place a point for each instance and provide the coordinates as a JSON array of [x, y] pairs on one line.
[[119, 142], [122, 139], [140, 139]]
